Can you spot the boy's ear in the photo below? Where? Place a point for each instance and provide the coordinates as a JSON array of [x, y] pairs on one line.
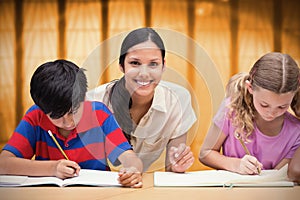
[[249, 87], [121, 68]]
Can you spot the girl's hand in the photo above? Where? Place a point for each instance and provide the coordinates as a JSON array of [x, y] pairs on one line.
[[66, 169], [130, 177], [249, 165], [181, 158]]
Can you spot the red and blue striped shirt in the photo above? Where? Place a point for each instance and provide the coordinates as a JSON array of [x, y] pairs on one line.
[[96, 138]]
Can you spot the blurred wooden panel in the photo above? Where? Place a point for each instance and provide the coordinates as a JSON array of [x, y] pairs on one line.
[[124, 16], [212, 32], [291, 29], [7, 70], [169, 14], [255, 31], [40, 39], [83, 29]]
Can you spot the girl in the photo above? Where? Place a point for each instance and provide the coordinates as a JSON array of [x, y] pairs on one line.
[[255, 115], [153, 114]]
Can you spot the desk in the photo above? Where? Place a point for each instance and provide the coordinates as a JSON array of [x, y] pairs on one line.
[[148, 192]]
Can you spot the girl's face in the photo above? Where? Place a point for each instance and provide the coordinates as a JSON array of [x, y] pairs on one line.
[[70, 120], [270, 105], [143, 68]]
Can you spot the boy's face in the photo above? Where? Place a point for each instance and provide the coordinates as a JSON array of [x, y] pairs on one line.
[[70, 120]]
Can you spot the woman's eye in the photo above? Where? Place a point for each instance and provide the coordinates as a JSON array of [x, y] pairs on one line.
[[153, 64], [134, 63]]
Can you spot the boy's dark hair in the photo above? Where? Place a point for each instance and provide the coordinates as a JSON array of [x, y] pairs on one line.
[[138, 36], [58, 87]]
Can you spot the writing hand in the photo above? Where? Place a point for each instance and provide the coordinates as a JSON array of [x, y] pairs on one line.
[[249, 165], [181, 158], [130, 177], [66, 169]]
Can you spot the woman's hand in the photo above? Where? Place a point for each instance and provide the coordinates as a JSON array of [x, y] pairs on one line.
[[130, 177], [181, 158]]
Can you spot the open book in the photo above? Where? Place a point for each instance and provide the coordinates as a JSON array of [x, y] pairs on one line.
[[222, 178], [86, 177]]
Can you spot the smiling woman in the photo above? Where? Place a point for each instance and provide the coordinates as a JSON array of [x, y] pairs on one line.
[[154, 115], [143, 68]]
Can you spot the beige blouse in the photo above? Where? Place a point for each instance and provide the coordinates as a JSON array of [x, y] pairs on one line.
[[170, 116]]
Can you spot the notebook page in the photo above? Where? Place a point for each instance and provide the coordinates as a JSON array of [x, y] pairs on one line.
[[10, 180], [94, 178]]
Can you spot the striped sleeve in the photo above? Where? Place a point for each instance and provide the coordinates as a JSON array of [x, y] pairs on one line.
[[115, 141], [22, 142]]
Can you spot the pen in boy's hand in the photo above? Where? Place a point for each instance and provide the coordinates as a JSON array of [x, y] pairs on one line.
[[75, 174], [70, 167], [74, 170]]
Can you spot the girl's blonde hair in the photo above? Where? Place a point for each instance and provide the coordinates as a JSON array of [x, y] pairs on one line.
[[275, 72]]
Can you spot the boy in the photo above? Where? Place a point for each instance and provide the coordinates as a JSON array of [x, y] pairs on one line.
[[86, 131]]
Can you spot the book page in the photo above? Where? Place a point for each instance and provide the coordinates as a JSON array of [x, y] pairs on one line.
[[33, 181], [86, 177], [11, 180], [195, 178], [263, 177], [16, 181], [94, 178], [222, 178]]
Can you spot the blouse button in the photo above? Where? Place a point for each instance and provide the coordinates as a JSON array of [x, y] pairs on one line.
[[66, 145]]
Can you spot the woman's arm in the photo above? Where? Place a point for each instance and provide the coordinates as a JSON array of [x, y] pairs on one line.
[[10, 164], [294, 167], [179, 157]]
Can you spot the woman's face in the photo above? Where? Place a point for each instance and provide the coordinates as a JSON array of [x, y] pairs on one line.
[[270, 105], [143, 68]]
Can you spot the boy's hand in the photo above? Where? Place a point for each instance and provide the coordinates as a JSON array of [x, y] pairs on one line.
[[66, 169], [181, 158], [249, 165], [130, 177]]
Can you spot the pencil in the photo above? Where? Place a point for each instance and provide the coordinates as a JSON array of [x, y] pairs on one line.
[[244, 146], [246, 149], [59, 147]]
